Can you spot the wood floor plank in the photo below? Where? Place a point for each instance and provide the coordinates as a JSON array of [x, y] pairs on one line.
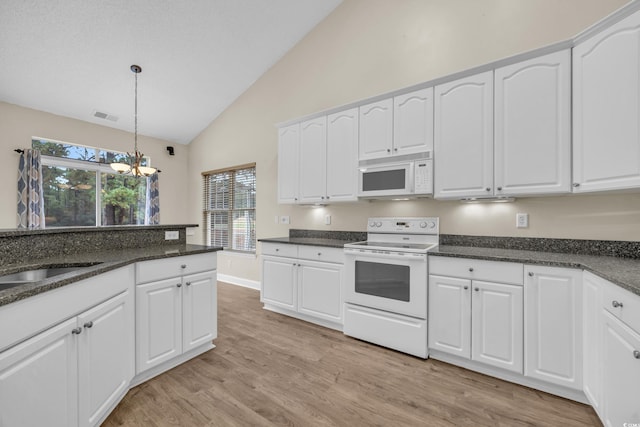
[[272, 370]]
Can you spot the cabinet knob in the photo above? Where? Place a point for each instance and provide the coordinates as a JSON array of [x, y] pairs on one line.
[[476, 289], [471, 269], [277, 249], [319, 253], [388, 150], [76, 331], [499, 188], [183, 266], [322, 197], [531, 274], [188, 283], [487, 189], [576, 184], [89, 324], [636, 354], [616, 304], [395, 149], [327, 197], [295, 199], [466, 287], [179, 285]]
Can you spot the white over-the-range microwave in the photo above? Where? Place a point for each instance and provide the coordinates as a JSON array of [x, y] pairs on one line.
[[410, 175]]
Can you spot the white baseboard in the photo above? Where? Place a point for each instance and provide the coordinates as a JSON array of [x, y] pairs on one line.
[[239, 281]]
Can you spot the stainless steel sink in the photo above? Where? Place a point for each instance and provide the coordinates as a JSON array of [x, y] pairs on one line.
[[32, 276]]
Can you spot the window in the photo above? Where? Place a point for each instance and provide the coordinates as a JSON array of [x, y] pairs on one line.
[[229, 215], [81, 189]]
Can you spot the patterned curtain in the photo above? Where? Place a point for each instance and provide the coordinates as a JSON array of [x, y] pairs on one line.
[[30, 191], [153, 200]]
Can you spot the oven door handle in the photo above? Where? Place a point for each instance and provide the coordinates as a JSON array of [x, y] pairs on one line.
[[386, 255]]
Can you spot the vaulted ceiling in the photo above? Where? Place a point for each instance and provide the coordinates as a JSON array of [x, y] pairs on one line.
[[72, 57]]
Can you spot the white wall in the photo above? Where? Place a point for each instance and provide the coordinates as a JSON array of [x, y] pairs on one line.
[[368, 47], [18, 125]]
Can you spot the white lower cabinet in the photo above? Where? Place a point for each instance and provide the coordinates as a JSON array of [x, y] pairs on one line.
[[473, 315], [176, 314], [592, 289], [553, 325], [71, 374], [305, 281]]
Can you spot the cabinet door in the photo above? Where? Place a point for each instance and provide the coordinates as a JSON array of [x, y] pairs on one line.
[[376, 129], [342, 156], [288, 163], [313, 160], [533, 126], [450, 315], [606, 108], [319, 293], [279, 282], [39, 380], [158, 322], [621, 373], [496, 325], [413, 122], [463, 139], [592, 340], [106, 356], [199, 310], [553, 325]]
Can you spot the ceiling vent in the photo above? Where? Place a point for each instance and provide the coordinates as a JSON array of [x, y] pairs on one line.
[[105, 116]]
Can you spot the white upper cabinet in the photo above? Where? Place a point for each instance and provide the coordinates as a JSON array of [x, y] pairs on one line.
[[532, 126], [413, 122], [376, 130], [288, 140], [313, 160], [463, 139], [606, 109], [342, 156]]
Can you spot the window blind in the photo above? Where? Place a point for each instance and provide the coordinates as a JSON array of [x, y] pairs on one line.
[[229, 214]]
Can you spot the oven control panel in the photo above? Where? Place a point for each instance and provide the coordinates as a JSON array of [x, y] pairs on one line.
[[424, 225]]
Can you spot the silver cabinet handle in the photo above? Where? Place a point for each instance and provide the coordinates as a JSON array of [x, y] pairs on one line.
[[471, 269], [76, 331], [636, 354], [179, 285], [477, 289], [531, 274], [488, 189], [188, 283], [327, 197], [616, 304], [576, 184], [499, 188], [395, 149], [295, 198], [322, 197], [466, 287], [388, 150], [277, 249], [319, 253], [183, 266], [89, 324]]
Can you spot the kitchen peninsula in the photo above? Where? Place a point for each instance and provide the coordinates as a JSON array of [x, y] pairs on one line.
[[129, 303]]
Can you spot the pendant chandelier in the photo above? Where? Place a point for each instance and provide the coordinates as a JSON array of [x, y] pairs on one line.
[[134, 167]]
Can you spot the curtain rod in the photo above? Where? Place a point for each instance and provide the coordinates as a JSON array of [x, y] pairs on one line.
[[19, 150]]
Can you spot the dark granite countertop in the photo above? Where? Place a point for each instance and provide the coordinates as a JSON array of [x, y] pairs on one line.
[[624, 272], [11, 232], [103, 261], [308, 241]]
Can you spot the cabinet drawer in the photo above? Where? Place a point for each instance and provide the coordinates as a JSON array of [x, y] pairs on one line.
[[629, 312], [320, 253], [158, 269], [475, 269], [280, 249]]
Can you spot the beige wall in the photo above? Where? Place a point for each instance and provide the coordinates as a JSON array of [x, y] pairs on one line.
[[18, 125], [368, 47]]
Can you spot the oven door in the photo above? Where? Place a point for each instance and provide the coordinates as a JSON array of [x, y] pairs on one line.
[[392, 281]]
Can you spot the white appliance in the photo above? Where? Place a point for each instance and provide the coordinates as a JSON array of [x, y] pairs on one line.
[[386, 283], [409, 175]]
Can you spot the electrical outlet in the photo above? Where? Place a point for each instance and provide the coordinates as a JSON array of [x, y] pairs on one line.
[[171, 235], [522, 220], [284, 219], [191, 231], [327, 219]]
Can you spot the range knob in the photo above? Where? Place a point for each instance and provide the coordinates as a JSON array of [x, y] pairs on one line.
[[423, 225], [378, 224], [372, 224], [431, 224]]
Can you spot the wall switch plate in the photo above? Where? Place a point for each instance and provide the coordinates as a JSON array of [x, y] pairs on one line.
[[284, 219], [171, 235], [522, 220], [327, 219]]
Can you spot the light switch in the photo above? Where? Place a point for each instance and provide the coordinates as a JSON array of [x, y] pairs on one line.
[[522, 220], [327, 219], [284, 219]]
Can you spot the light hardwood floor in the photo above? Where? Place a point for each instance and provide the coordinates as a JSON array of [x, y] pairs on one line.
[[270, 369]]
